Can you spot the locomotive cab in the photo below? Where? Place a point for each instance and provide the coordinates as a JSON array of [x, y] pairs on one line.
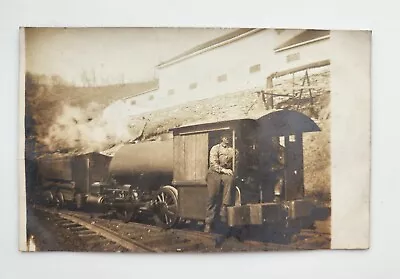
[[268, 167], [280, 172]]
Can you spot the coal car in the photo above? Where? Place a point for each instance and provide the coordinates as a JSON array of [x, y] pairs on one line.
[[168, 178], [69, 180]]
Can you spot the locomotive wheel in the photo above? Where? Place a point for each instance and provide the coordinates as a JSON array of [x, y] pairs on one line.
[[59, 197], [166, 207], [47, 198]]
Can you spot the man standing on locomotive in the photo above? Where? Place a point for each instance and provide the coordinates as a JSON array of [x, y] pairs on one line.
[[220, 185]]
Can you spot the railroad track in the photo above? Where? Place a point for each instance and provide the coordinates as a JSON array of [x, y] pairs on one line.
[[92, 232], [131, 237], [139, 237]]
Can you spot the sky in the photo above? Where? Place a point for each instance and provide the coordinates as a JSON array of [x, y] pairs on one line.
[[112, 55]]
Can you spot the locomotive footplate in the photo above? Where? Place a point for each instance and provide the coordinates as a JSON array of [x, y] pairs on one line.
[[263, 213]]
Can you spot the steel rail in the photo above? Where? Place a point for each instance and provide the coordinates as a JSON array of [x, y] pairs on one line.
[[129, 244]]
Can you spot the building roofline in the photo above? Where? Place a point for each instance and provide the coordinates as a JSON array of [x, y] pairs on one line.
[[306, 37], [210, 45], [141, 93]]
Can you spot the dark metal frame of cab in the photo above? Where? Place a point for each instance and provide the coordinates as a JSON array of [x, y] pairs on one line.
[[268, 170]]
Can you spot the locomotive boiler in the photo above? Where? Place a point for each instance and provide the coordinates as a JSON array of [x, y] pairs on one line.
[[168, 178]]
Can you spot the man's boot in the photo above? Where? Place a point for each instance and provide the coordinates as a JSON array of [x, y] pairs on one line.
[[219, 241], [207, 228]]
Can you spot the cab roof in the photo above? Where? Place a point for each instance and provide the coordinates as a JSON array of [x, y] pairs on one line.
[[276, 122]]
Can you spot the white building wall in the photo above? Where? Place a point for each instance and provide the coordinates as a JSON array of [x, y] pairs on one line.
[[302, 55], [233, 60]]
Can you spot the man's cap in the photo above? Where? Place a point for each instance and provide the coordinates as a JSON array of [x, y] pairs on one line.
[[226, 135]]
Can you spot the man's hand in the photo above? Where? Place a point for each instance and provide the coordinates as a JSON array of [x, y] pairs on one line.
[[227, 171]]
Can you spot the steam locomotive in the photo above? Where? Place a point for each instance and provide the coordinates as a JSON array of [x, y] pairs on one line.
[[167, 178]]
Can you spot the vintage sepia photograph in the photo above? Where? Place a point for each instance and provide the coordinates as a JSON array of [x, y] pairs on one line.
[[181, 139]]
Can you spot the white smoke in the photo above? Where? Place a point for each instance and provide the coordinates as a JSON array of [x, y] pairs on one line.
[[92, 128]]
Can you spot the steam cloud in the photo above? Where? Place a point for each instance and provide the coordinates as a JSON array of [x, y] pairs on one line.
[[91, 129]]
